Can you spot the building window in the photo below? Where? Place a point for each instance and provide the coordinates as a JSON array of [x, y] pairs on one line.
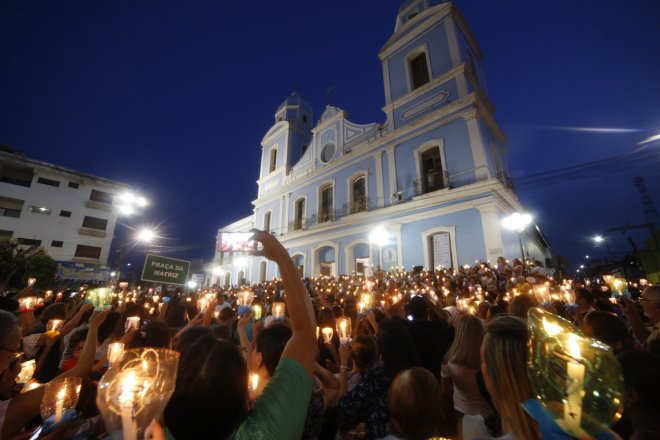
[[101, 197], [266, 226], [299, 215], [419, 70], [56, 243], [304, 118], [359, 189], [74, 185], [432, 174], [262, 271], [16, 176], [326, 207], [38, 210], [84, 251], [10, 207], [48, 182], [273, 160], [28, 242], [6, 234], [65, 213], [95, 223]]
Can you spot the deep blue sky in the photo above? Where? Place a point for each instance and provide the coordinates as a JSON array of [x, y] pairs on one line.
[[174, 97]]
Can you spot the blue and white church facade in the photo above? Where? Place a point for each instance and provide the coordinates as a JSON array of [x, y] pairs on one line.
[[431, 179]]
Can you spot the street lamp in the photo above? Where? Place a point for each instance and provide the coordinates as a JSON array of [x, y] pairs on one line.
[[379, 237], [146, 235], [518, 222], [598, 239]]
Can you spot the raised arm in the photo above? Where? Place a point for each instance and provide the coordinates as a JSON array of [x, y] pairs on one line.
[[301, 346]]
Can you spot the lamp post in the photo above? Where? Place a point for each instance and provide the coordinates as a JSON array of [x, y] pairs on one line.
[[379, 237], [518, 222]]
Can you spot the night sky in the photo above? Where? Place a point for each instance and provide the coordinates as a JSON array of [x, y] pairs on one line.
[[175, 97]]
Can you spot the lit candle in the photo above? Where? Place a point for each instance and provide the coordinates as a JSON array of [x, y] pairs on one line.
[[127, 405], [327, 334], [53, 325], [254, 381], [27, 371], [132, 322], [574, 389], [115, 351], [278, 310], [344, 330], [257, 311], [360, 307], [59, 405]]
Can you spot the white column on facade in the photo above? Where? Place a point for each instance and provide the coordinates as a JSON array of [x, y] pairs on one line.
[[287, 201], [281, 209], [391, 168], [477, 146], [378, 157], [492, 230]]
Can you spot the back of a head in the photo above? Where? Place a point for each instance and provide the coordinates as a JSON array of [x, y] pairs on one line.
[[417, 308], [54, 311], [189, 337], [270, 343], [396, 347], [210, 394], [155, 334], [364, 352], [520, 305], [504, 352], [606, 327], [465, 349], [641, 374], [415, 405]]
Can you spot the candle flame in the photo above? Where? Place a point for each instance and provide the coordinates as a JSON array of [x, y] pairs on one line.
[[551, 328], [574, 347]]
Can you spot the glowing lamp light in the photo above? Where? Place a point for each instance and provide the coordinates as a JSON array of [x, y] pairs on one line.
[[146, 235], [517, 221], [115, 350], [379, 236], [192, 284], [598, 239]]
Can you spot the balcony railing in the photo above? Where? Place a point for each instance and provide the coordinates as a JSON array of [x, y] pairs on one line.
[[359, 205], [431, 182]]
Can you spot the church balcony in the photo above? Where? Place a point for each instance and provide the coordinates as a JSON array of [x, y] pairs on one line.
[[433, 181]]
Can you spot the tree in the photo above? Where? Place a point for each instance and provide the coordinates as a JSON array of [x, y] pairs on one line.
[[17, 263]]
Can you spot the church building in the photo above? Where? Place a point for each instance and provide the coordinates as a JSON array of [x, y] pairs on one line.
[[428, 187]]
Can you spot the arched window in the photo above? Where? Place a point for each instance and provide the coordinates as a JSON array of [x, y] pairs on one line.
[[273, 160], [227, 282], [326, 206], [262, 271], [241, 278], [359, 193], [266, 225], [299, 215]]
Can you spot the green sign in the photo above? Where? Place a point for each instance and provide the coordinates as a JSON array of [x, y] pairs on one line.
[[159, 269]]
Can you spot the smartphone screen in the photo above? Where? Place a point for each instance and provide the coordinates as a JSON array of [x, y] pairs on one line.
[[236, 242]]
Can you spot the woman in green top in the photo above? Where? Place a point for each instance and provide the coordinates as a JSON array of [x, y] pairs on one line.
[[211, 400]]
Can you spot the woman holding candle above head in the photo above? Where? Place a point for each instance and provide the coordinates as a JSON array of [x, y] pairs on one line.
[[210, 399]]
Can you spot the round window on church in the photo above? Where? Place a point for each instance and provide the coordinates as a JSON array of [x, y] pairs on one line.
[[328, 152]]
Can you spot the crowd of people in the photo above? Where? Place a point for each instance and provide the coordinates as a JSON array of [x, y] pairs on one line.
[[397, 355]]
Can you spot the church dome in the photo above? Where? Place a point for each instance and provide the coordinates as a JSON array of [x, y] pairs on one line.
[[294, 100]]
